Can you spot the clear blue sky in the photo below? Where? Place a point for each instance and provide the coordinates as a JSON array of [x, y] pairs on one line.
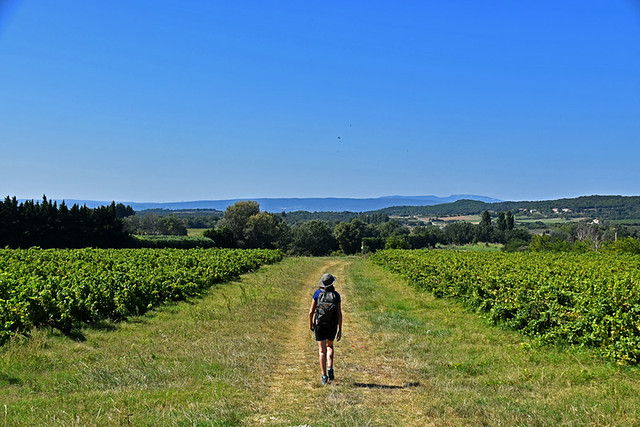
[[173, 100]]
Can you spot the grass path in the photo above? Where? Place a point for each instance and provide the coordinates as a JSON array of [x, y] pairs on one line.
[[243, 355], [409, 359], [291, 393], [369, 389]]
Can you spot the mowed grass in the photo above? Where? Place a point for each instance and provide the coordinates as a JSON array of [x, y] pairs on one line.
[[243, 355]]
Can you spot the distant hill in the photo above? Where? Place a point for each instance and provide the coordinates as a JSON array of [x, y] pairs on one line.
[[604, 207], [277, 205]]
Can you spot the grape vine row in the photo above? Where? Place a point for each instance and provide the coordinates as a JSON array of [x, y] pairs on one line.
[[63, 288], [588, 299]]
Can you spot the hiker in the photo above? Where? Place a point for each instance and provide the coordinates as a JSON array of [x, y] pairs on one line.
[[325, 320]]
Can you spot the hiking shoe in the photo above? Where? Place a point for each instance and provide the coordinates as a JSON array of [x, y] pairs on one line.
[[330, 372], [324, 379]]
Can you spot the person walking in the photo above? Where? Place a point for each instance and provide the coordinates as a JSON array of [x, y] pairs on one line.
[[325, 320]]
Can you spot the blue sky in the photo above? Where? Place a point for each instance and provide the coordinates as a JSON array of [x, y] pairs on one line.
[[190, 100]]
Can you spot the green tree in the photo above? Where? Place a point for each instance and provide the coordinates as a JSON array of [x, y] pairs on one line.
[[549, 244], [627, 245], [588, 233], [397, 242], [392, 228], [372, 244], [237, 216], [510, 220], [123, 211], [312, 238], [485, 221], [459, 233], [262, 231], [46, 225], [426, 237], [283, 241], [222, 237], [484, 230], [516, 245], [149, 224], [349, 237], [501, 222], [171, 226]]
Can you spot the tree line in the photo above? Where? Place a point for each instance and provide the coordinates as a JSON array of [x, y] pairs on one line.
[[587, 236], [156, 225], [245, 226], [49, 225], [170, 222]]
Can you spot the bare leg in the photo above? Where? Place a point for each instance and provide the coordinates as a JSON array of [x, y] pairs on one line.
[[330, 354], [322, 355]]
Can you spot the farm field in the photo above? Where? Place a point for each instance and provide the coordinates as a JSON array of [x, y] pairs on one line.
[[196, 231], [554, 220], [590, 299], [445, 219], [66, 288], [242, 355]]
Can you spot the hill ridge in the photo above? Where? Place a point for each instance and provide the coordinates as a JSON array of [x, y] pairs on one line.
[[290, 204]]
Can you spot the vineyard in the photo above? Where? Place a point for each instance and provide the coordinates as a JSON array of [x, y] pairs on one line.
[[576, 299], [65, 288]]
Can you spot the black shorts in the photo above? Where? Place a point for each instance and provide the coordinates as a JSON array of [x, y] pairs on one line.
[[325, 332]]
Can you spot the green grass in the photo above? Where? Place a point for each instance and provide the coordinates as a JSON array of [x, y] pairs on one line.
[[195, 232], [243, 355]]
